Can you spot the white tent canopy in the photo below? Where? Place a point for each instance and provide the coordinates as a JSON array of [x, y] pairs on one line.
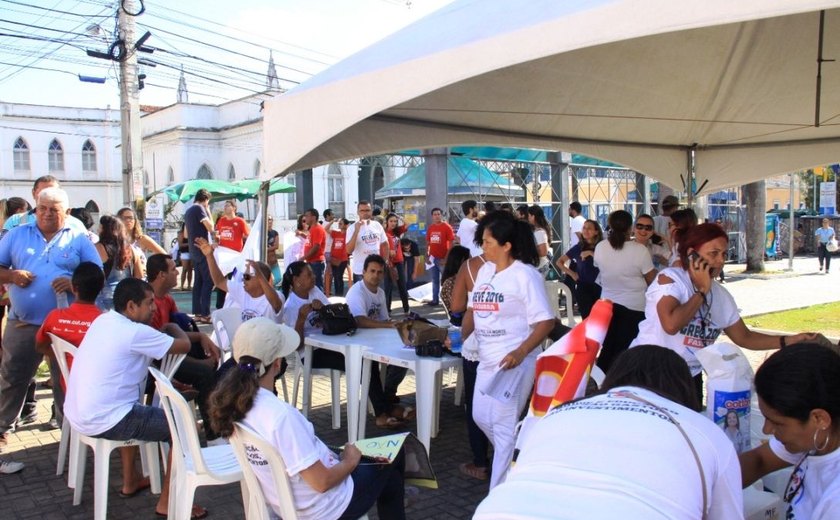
[[634, 82]]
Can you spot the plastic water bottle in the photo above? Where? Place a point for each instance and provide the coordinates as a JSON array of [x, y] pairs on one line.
[[61, 300], [455, 340]]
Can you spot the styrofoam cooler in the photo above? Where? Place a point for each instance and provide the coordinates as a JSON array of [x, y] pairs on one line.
[[762, 505]]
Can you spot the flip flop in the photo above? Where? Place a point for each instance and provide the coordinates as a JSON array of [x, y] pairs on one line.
[[389, 423], [142, 487], [403, 413], [471, 470], [193, 516]]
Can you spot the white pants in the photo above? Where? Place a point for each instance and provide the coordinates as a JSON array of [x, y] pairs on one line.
[[498, 419]]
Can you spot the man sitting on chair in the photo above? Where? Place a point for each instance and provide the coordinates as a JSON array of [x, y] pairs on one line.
[[200, 373], [367, 304], [109, 375]]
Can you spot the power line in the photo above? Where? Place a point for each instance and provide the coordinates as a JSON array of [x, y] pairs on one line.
[[69, 13]]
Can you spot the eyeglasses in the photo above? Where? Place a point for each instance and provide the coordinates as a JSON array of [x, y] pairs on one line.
[[646, 227], [796, 481], [127, 217]]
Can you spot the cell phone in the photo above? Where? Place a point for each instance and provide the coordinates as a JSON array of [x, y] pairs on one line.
[[656, 239], [693, 256]]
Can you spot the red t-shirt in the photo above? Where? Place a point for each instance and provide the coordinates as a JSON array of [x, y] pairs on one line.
[[394, 245], [232, 232], [163, 308], [439, 237], [339, 245], [317, 236], [70, 324]]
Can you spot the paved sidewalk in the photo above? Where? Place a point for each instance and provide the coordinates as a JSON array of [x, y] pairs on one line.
[[38, 493]]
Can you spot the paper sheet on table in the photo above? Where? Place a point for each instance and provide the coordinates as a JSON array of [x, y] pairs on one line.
[[418, 469], [503, 385]]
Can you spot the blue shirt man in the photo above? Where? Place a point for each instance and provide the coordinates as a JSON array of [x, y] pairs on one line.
[[37, 261]]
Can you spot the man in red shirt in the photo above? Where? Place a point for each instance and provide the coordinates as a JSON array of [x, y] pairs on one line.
[[439, 238], [315, 246], [232, 231], [72, 323], [200, 373]]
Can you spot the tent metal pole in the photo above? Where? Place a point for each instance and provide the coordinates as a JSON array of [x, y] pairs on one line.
[[263, 201], [689, 178], [791, 227]]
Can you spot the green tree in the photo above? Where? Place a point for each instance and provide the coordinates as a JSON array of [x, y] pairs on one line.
[[807, 189]]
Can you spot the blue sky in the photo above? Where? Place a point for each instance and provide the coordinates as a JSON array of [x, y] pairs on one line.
[[305, 37]]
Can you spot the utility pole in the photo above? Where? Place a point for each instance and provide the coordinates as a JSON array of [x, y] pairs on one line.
[[132, 157]]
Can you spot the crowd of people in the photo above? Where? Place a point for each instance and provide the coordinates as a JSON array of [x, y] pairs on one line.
[[109, 293]]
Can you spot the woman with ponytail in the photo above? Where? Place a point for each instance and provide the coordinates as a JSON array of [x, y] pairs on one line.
[[509, 313], [626, 271], [324, 485], [118, 259]]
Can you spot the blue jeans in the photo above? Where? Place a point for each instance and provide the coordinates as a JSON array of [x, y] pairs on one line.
[[381, 484], [202, 286], [400, 283], [436, 270], [318, 271], [338, 278], [144, 423]]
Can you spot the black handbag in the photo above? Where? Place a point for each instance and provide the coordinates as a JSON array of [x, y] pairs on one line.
[[337, 319]]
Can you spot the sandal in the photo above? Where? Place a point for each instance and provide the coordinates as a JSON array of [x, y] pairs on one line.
[[197, 513], [203, 320], [389, 423], [471, 470], [404, 414]]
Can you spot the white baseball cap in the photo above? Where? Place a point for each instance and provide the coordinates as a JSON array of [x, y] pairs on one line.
[[263, 339]]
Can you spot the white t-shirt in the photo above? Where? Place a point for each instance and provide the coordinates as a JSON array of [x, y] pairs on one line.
[[292, 247], [466, 235], [367, 243], [718, 313], [616, 457], [576, 226], [660, 225], [541, 237], [292, 307], [362, 302], [110, 371], [622, 276], [283, 426], [251, 307], [819, 496], [506, 307]]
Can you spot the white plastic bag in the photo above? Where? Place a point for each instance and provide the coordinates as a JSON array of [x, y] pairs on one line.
[[729, 378]]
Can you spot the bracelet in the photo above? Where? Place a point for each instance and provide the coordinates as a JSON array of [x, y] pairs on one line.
[[782, 343]]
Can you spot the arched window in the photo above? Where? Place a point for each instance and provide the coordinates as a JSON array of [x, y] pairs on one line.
[[88, 157], [257, 168], [56, 157], [170, 176], [204, 172], [21, 155], [231, 173]]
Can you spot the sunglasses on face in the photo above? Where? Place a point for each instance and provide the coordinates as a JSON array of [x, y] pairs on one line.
[[645, 227]]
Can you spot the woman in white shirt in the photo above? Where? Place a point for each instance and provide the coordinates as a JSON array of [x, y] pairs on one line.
[[798, 391], [626, 271], [657, 245], [325, 486], [303, 301], [542, 235], [686, 309], [635, 450], [509, 314]]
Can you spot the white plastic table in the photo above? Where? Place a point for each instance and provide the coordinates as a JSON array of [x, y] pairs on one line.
[[385, 346], [351, 348]]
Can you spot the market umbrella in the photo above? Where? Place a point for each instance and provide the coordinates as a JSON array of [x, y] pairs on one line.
[[253, 188], [185, 191]]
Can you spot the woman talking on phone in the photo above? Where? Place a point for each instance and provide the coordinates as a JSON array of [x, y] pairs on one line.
[[686, 309]]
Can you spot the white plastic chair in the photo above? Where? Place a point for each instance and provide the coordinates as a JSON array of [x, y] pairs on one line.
[[335, 384], [552, 290], [192, 465], [254, 502], [225, 322], [62, 349]]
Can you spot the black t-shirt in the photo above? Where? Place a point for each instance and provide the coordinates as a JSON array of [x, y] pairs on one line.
[[192, 222]]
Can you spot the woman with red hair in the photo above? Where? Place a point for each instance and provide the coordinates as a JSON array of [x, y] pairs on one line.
[[686, 309]]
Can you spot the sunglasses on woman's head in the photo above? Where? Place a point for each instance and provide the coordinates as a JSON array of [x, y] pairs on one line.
[[646, 227]]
